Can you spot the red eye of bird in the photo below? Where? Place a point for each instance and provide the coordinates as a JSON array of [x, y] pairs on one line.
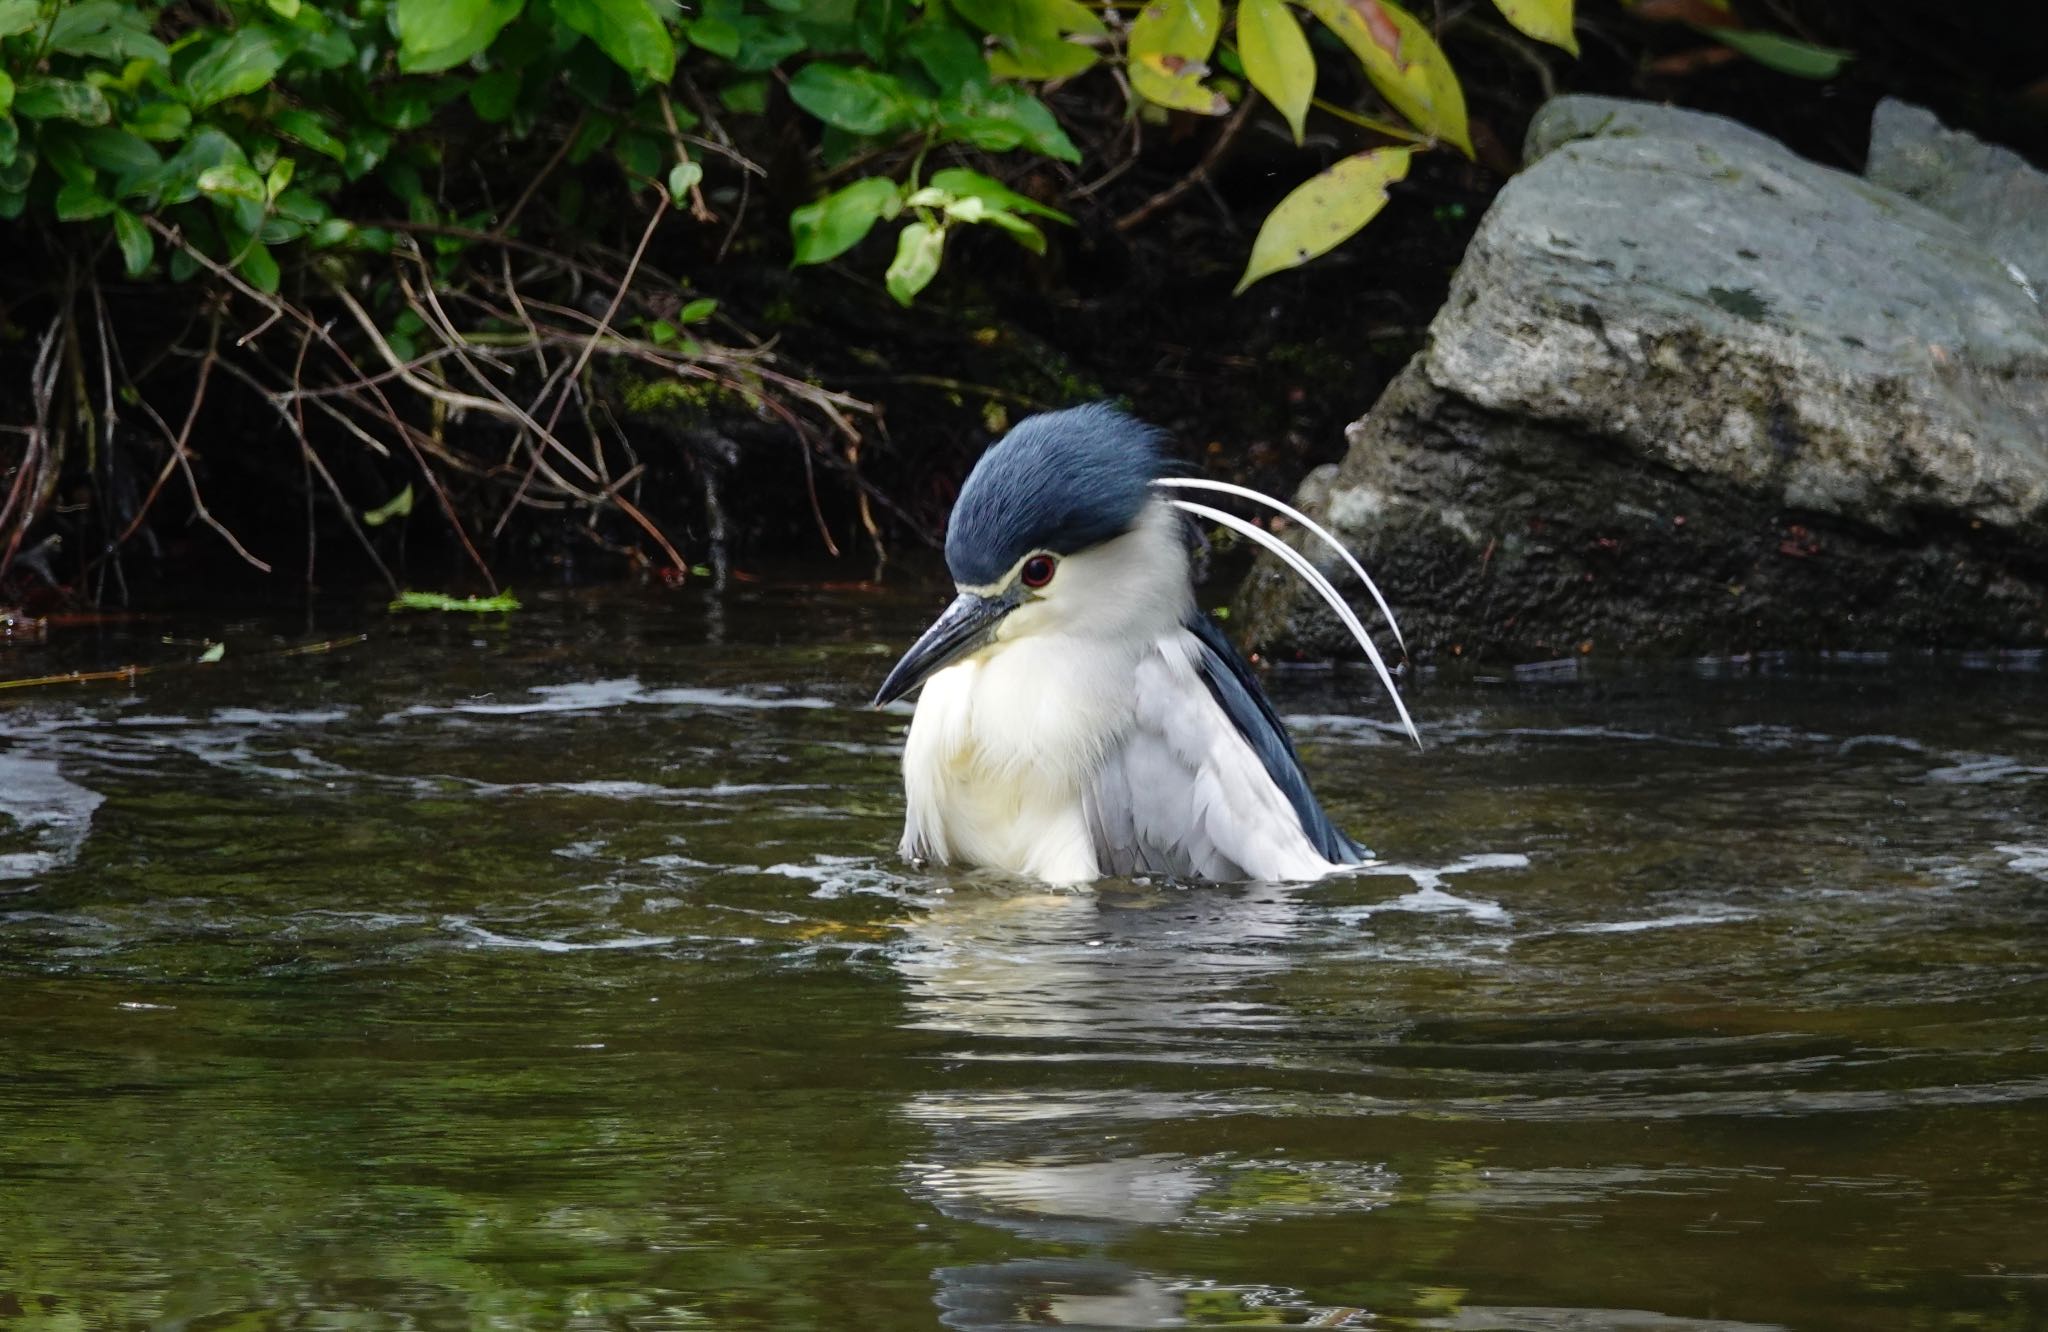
[[1038, 570]]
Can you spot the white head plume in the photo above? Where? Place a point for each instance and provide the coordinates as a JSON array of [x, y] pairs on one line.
[[1309, 574], [1246, 492]]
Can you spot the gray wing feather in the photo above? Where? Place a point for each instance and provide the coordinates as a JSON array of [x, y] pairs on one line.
[[1236, 690], [1186, 792]]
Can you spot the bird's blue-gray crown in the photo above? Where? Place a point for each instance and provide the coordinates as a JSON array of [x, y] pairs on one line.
[[1060, 481]]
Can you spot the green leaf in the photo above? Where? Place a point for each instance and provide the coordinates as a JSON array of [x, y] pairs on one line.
[[1031, 19], [1545, 20], [398, 506], [232, 180], [1787, 55], [639, 154], [260, 267], [213, 653], [1032, 36], [681, 177], [949, 56], [80, 20], [332, 232], [764, 43], [10, 146], [159, 121], [18, 16], [105, 30], [138, 247], [999, 18], [1044, 60], [40, 98], [963, 183], [1003, 116], [918, 249], [366, 147], [1324, 212], [1025, 234], [434, 35], [300, 206], [1169, 53], [836, 223], [284, 9], [307, 128], [81, 202], [177, 181], [494, 95], [62, 153], [331, 47], [6, 92], [279, 178], [856, 99], [717, 35], [745, 97], [441, 601], [1404, 63], [1277, 59], [241, 63], [118, 152], [697, 311], [407, 105], [596, 132], [629, 31]]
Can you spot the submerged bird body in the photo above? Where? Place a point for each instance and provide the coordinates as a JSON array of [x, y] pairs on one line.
[[1080, 716]]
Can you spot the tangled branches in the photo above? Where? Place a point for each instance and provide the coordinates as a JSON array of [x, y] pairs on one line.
[[491, 399]]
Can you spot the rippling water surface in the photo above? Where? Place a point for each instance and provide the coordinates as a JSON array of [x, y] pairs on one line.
[[559, 973]]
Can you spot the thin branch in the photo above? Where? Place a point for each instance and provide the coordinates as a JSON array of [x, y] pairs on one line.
[[604, 324], [1159, 202], [526, 195], [181, 455]]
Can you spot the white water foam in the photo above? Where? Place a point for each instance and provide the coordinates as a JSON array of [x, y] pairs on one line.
[[53, 810]]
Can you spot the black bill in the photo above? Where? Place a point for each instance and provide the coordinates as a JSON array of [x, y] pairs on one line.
[[961, 628]]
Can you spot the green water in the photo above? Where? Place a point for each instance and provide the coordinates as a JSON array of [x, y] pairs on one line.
[[561, 974]]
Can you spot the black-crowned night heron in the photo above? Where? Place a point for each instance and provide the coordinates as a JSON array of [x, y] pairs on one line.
[[1080, 715]]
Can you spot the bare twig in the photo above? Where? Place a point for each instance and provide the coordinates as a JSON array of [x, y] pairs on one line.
[[1159, 202], [288, 407], [413, 440], [137, 671], [181, 455], [526, 195], [42, 382], [611, 311]]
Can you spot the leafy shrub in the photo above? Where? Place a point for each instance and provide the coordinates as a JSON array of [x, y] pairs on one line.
[[246, 124], [252, 124], [286, 145]]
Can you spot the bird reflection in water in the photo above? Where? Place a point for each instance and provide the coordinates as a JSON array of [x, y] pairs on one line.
[[1087, 1020]]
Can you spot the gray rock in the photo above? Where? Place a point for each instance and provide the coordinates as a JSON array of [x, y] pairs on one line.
[[1990, 190], [1691, 392]]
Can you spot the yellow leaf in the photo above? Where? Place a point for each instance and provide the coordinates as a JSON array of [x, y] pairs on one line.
[[1545, 20], [1276, 58], [1324, 212], [1169, 54], [1404, 63], [1172, 83], [1053, 58]]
